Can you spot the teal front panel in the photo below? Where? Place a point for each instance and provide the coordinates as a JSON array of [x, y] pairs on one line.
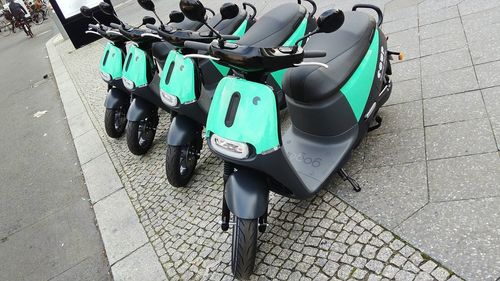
[[136, 66], [181, 80], [256, 118], [112, 61]]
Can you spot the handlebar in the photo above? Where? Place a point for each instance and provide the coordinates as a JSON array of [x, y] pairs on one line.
[[230, 37], [94, 26], [197, 45], [373, 7], [314, 54], [115, 25]]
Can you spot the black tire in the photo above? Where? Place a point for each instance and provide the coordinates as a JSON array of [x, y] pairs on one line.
[[180, 163], [244, 247], [140, 136], [37, 18], [115, 121]]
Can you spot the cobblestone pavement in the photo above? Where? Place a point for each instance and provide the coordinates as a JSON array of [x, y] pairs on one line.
[[411, 174]]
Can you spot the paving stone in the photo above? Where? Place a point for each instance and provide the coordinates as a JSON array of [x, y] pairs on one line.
[[344, 272], [438, 15], [470, 7], [407, 251], [396, 244], [404, 276], [400, 117], [487, 74], [447, 42], [452, 108], [395, 148], [406, 70], [492, 101], [428, 266], [374, 277], [399, 25], [406, 41], [390, 271], [384, 254], [466, 177], [440, 274], [405, 91], [416, 258], [423, 276], [375, 266], [449, 82], [359, 273], [407, 181], [398, 260], [451, 26], [410, 267], [459, 235], [442, 62], [460, 138]]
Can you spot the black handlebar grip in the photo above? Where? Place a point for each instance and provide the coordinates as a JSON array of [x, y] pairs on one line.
[[197, 45], [152, 27], [115, 25], [230, 37], [314, 54]]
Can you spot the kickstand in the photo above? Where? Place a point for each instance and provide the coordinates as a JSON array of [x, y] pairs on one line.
[[355, 185], [376, 124]]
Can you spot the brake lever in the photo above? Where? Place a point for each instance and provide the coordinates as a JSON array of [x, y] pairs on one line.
[[305, 63], [151, 35], [199, 56], [92, 32]]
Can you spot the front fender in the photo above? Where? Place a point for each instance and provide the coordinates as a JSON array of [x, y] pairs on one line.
[[140, 109], [116, 98], [246, 194], [182, 130]]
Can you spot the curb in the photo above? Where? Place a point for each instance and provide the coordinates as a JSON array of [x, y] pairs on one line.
[[130, 253]]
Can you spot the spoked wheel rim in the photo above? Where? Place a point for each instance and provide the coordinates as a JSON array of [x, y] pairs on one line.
[[145, 132], [187, 160], [120, 119]]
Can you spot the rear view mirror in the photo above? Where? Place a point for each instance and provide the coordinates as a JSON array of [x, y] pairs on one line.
[[148, 20], [147, 5], [176, 16], [229, 11], [106, 8], [86, 11], [193, 10], [330, 20]]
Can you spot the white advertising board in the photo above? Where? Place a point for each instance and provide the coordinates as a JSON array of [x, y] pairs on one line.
[[70, 8]]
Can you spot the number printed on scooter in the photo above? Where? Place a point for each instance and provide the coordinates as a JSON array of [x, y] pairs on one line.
[[302, 157]]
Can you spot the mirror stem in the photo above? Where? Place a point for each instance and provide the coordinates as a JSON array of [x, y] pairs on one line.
[[213, 30], [161, 23], [306, 36]]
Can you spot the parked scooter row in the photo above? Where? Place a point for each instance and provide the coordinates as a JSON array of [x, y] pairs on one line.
[[231, 75]]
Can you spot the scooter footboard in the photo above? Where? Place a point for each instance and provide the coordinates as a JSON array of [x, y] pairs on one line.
[[246, 194]]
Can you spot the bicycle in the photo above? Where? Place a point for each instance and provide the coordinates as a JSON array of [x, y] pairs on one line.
[[24, 24], [5, 28]]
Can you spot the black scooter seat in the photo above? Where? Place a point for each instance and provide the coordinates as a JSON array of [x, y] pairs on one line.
[[345, 48], [274, 28]]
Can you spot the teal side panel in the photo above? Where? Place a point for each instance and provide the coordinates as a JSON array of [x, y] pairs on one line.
[[256, 119], [112, 61], [357, 89], [182, 81], [136, 66], [300, 32], [224, 70]]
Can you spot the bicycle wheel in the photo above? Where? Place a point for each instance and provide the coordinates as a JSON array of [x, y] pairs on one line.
[[5, 28], [37, 18]]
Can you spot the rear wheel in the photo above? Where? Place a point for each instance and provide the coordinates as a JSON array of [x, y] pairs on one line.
[[180, 164], [115, 121], [140, 135], [37, 18], [244, 247]]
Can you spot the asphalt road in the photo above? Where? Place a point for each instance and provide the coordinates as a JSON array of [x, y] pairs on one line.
[[47, 226]]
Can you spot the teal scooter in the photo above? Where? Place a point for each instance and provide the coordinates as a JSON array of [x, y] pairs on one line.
[[187, 85], [110, 68], [333, 92], [189, 81]]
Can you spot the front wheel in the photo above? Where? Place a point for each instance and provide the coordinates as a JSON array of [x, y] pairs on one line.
[[180, 162], [37, 18], [140, 135], [244, 247], [115, 121]]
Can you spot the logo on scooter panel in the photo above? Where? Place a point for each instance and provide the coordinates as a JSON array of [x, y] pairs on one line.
[[256, 100], [381, 63], [303, 157]]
